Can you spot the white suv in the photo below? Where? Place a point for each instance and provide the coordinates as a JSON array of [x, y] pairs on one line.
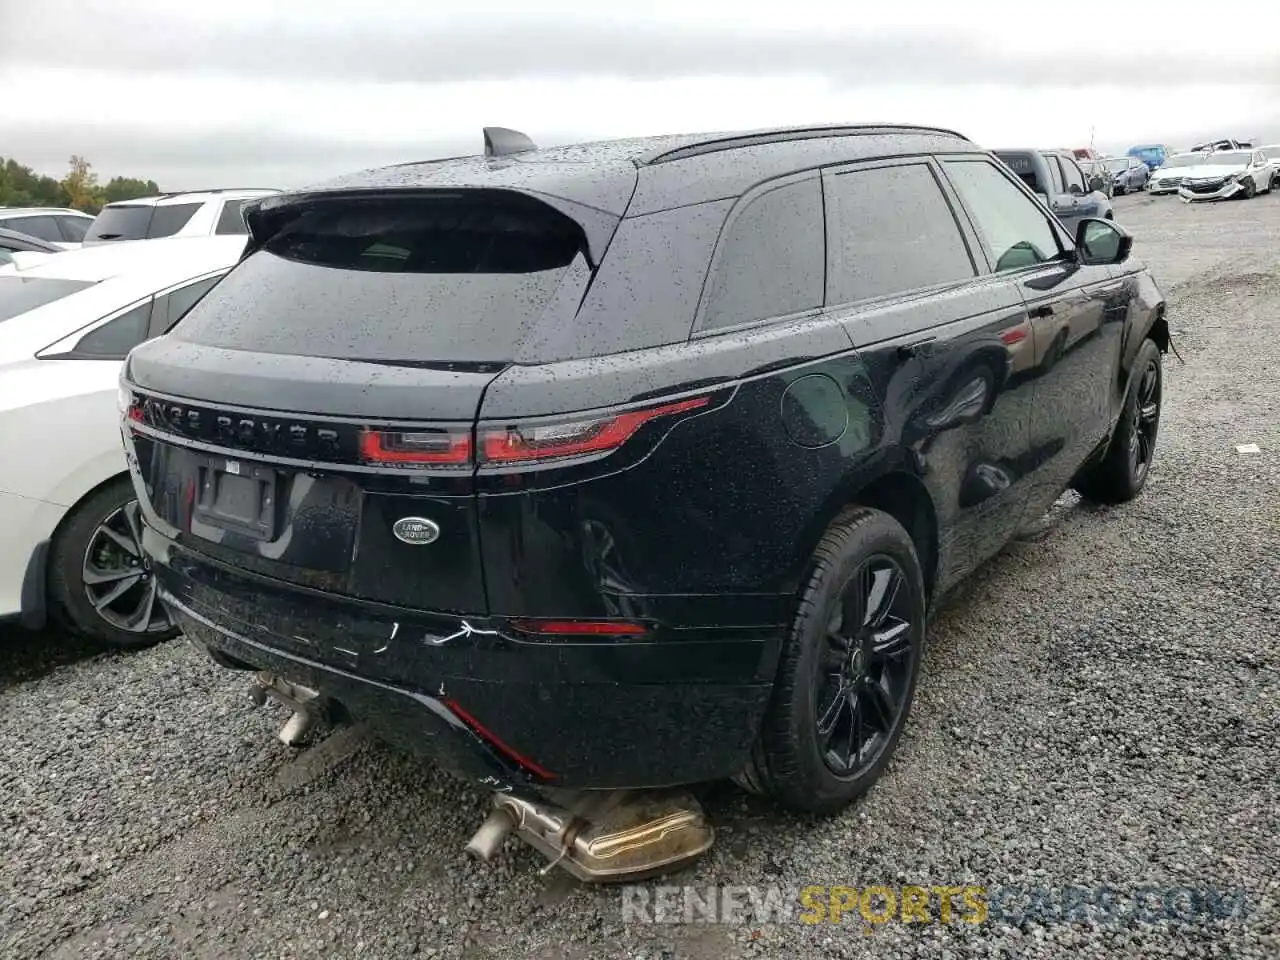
[[202, 214]]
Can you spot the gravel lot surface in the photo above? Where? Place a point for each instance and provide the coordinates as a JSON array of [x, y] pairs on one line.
[[1099, 708]]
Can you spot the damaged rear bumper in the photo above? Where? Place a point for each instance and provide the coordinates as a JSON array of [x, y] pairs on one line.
[[490, 706]]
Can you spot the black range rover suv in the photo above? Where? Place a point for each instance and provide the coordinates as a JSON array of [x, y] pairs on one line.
[[635, 463]]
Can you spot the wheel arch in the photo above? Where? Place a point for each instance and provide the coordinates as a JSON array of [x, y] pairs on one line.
[[69, 513], [896, 490]]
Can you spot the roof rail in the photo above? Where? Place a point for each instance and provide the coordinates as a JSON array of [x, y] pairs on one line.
[[501, 141], [733, 141]]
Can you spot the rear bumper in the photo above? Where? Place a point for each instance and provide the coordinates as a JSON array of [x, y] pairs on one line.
[[489, 705]]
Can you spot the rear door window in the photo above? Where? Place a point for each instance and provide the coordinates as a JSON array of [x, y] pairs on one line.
[[172, 306], [170, 218], [453, 276], [770, 263], [890, 230]]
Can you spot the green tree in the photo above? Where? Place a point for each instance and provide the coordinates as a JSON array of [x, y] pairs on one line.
[[22, 187], [80, 186], [128, 188]]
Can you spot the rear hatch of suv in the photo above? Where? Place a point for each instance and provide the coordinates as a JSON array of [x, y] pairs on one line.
[[312, 420]]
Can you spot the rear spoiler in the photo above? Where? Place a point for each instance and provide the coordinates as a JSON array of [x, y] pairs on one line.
[[267, 216]]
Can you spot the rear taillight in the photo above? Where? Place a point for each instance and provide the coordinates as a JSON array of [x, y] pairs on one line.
[[445, 447], [573, 438]]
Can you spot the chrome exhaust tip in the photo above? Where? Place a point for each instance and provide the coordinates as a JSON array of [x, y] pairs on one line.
[[602, 837], [303, 701]]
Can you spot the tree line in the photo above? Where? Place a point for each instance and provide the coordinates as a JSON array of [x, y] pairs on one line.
[[20, 186]]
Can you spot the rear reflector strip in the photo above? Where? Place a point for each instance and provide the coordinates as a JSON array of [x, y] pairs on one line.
[[492, 739], [581, 628]]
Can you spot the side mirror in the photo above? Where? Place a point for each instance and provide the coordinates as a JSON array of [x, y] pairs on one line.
[[1095, 183], [1074, 190], [1102, 241]]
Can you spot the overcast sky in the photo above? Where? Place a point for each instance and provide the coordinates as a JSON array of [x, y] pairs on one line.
[[268, 93]]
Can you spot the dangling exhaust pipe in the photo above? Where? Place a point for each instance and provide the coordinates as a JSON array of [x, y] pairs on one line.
[[601, 837]]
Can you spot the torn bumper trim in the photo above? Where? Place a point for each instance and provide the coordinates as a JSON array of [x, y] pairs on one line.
[[1225, 192]]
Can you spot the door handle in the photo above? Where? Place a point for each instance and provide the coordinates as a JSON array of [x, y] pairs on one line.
[[909, 350], [1036, 313]]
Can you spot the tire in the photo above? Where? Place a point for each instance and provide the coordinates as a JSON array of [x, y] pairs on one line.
[[864, 555], [99, 537], [1120, 191], [1250, 190], [1122, 472]]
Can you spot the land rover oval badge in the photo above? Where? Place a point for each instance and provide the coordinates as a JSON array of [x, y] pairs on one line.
[[416, 530]]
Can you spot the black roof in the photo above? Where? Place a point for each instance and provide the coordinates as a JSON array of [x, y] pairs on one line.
[[647, 174]]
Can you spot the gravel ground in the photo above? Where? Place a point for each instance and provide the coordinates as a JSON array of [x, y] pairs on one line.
[[1098, 709]]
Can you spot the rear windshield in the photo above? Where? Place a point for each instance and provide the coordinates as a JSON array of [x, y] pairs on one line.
[[139, 221], [449, 277], [20, 294]]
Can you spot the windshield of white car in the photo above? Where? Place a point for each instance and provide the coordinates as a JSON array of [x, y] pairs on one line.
[[1185, 160], [1229, 158], [1119, 164], [20, 294]]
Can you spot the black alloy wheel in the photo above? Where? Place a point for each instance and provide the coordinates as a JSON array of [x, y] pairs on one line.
[[1146, 421], [867, 667], [848, 668]]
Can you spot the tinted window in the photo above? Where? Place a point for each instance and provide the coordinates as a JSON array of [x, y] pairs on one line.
[[891, 230], [73, 228], [1072, 175], [447, 278], [125, 221], [1014, 230], [1025, 168], [231, 220], [116, 337], [173, 306], [20, 294], [42, 228], [168, 220], [771, 260]]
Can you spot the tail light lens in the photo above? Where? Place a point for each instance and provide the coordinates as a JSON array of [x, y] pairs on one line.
[[573, 438], [447, 447]]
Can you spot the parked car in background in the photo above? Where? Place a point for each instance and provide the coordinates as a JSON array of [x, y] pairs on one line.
[[1271, 154], [1225, 174], [200, 214], [1056, 176], [1129, 174], [495, 459], [1168, 177], [63, 227], [1099, 176], [1226, 144], [66, 506], [22, 250], [1153, 154], [1085, 153]]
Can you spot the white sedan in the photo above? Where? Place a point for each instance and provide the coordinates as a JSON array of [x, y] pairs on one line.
[[67, 508], [1225, 174]]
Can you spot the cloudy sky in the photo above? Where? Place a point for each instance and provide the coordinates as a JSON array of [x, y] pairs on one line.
[[271, 93]]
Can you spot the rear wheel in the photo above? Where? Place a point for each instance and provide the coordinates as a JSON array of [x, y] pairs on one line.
[[848, 670], [100, 582], [1122, 472], [1250, 189]]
